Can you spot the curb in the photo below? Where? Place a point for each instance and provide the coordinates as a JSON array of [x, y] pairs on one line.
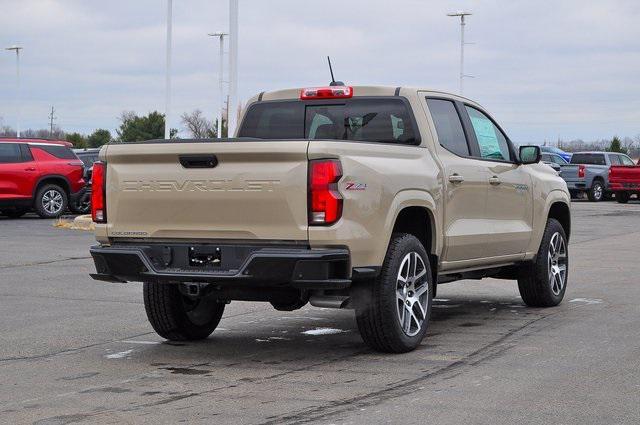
[[81, 222]]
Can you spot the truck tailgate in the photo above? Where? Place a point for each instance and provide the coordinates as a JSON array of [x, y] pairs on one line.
[[570, 172], [627, 177], [211, 190]]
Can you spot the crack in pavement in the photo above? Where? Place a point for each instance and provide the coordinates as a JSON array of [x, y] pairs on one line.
[[40, 263], [487, 352], [97, 344], [70, 299]]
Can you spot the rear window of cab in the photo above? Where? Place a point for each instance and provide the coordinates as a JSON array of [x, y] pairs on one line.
[[358, 119], [588, 158]]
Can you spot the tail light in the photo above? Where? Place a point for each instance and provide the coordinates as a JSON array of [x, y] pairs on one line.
[[98, 199], [581, 171], [334, 92], [325, 202]]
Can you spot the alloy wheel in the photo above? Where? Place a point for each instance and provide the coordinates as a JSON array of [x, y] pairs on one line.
[[52, 201], [412, 294], [557, 263], [597, 191]]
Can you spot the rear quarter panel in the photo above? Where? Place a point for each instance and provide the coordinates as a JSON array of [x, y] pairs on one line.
[[395, 176]]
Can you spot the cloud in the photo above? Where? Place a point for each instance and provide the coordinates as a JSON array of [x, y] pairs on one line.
[[544, 69]]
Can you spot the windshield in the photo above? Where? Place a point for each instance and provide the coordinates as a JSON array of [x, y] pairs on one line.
[[366, 120]]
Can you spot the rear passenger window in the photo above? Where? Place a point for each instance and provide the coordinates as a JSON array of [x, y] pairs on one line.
[[26, 153], [492, 143], [448, 126], [60, 152], [10, 153], [615, 160]]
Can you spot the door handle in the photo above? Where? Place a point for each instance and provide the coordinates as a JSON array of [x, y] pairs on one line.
[[456, 178], [494, 180], [30, 169], [198, 161]]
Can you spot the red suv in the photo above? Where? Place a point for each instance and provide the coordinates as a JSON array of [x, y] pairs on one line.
[[41, 174]]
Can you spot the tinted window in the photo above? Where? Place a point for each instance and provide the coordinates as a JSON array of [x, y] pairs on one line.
[[378, 120], [61, 152], [492, 143], [26, 152], [325, 122], [274, 120], [448, 126], [10, 152], [368, 120], [588, 158], [626, 160]]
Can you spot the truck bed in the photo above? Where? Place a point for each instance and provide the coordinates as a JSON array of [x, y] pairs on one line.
[[623, 177]]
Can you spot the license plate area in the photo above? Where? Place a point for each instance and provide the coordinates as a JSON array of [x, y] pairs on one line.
[[205, 256]]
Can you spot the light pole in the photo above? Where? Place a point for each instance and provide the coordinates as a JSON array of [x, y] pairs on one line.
[[167, 99], [221, 35], [233, 68], [461, 14], [17, 50]]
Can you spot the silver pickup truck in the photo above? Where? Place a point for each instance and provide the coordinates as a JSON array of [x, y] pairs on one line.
[[588, 173]]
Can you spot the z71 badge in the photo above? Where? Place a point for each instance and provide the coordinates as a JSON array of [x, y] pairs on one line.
[[355, 186]]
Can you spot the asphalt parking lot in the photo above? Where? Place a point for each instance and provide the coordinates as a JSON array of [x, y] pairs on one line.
[[74, 350]]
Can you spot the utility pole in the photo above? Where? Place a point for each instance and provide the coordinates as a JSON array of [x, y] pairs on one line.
[[52, 118], [167, 99], [221, 35], [461, 14], [17, 50], [232, 112]]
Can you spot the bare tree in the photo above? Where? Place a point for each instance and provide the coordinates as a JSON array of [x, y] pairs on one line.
[[198, 126], [7, 131]]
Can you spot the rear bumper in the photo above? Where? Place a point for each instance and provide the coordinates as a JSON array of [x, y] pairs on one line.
[[236, 265], [576, 185], [624, 186]]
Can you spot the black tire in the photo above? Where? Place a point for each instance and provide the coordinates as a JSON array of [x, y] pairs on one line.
[[596, 192], [47, 209], [378, 314], [535, 283], [15, 213], [622, 197], [177, 317]]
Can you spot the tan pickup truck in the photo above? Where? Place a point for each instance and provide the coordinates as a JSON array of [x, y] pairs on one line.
[[347, 197]]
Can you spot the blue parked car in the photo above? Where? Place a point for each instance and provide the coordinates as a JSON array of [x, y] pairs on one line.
[[552, 149]]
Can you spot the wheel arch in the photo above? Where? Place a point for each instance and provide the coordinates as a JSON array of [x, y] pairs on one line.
[[415, 212], [419, 221], [58, 179], [560, 211]]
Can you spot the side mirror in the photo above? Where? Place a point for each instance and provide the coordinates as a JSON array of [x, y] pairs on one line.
[[530, 154]]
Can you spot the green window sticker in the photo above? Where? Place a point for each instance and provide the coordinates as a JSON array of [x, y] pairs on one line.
[[491, 142]]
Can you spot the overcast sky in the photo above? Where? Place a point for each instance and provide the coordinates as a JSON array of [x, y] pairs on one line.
[[544, 69]]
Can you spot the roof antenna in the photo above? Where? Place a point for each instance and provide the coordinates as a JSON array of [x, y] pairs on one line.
[[333, 80]]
